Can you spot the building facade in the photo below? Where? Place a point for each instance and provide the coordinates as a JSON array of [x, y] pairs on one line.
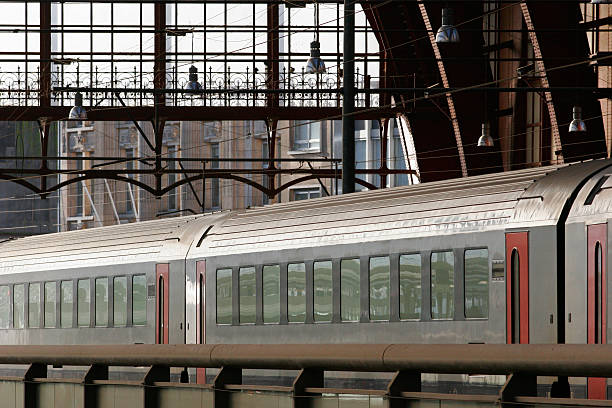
[[91, 203]]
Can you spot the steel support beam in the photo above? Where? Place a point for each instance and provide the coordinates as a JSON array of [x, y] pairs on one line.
[[403, 381], [307, 378], [348, 99], [517, 385], [30, 396], [227, 376], [90, 390], [194, 113], [156, 373]]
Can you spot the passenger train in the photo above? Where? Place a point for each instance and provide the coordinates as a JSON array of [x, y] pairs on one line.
[[514, 257]]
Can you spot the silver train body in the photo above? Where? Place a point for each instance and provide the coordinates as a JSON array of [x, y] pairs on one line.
[[543, 233]]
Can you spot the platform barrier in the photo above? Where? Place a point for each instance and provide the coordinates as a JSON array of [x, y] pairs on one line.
[[521, 364]]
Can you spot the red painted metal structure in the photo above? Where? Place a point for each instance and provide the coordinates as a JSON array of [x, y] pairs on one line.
[[517, 262], [162, 306], [597, 299]]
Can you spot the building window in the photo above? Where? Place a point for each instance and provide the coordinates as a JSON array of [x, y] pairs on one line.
[[246, 279], [399, 157], [79, 188], [215, 193], [265, 154], [224, 296], [442, 285], [361, 160], [172, 202], [306, 136], [271, 294], [380, 277], [476, 280], [306, 193], [375, 152], [534, 122], [349, 290], [129, 165], [410, 286], [296, 293]]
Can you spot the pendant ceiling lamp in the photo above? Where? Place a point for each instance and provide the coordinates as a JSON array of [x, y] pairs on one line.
[[193, 84], [78, 112], [577, 125], [485, 139], [315, 64], [447, 33]]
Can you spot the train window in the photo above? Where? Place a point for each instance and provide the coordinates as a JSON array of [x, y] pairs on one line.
[[410, 286], [349, 290], [34, 305], [66, 304], [139, 300], [323, 291], [19, 306], [102, 302], [296, 293], [246, 279], [50, 298], [271, 294], [442, 285], [120, 301], [476, 281], [5, 307], [380, 276], [224, 296], [84, 300]]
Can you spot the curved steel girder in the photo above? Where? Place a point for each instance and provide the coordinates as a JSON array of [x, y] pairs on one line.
[[106, 176], [172, 186], [306, 178], [557, 51], [21, 182], [227, 177], [258, 186]]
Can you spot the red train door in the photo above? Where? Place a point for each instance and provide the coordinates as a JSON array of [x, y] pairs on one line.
[[517, 287], [161, 303], [596, 299], [201, 314]]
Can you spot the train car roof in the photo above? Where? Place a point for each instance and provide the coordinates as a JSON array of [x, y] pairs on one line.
[[120, 244], [594, 198], [487, 202]]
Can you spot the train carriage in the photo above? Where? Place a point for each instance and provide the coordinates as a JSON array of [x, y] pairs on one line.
[[517, 257]]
